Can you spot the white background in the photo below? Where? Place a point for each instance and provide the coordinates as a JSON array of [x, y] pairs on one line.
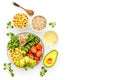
[[89, 39]]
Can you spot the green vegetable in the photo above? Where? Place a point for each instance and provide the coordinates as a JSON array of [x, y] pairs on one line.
[[43, 71], [31, 41], [9, 25], [8, 67], [28, 46], [14, 42], [52, 24], [10, 34], [25, 49], [30, 37]]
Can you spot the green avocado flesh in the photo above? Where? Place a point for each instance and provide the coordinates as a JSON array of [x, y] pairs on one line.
[[25, 61], [50, 58]]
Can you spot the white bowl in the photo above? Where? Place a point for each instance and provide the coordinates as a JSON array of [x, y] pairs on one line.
[[36, 29]]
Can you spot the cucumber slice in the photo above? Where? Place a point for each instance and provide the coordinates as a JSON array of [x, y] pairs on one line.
[[25, 49], [28, 46]]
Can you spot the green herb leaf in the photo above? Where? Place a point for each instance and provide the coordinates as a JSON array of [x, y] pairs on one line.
[[12, 74], [8, 67], [43, 71], [14, 42], [4, 64], [4, 68], [10, 34], [9, 25], [52, 24]]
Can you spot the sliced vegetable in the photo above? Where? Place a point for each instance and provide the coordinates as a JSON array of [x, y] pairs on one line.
[[39, 46], [39, 53], [37, 59], [30, 55], [33, 49]]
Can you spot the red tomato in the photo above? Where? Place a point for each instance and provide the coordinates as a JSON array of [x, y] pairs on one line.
[[33, 49], [29, 52], [39, 46], [30, 55], [39, 53], [36, 58]]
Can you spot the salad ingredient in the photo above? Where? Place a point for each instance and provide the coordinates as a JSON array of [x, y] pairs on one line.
[[43, 71], [8, 67], [39, 46], [50, 38], [33, 49], [52, 24], [33, 38], [35, 53], [10, 34], [15, 54], [50, 58], [20, 20], [22, 39], [30, 40], [14, 42], [39, 53], [9, 25], [25, 62], [39, 23], [30, 55]]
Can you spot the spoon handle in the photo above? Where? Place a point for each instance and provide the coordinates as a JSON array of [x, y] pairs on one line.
[[15, 4]]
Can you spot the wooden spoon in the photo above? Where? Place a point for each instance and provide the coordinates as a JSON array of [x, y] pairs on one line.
[[29, 12]]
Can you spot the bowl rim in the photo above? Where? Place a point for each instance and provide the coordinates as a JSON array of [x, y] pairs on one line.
[[32, 26], [42, 49], [24, 27]]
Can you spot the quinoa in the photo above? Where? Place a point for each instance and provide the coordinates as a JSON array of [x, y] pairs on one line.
[[38, 22]]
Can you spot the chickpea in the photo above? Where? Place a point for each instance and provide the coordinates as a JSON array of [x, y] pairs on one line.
[[15, 54], [20, 20]]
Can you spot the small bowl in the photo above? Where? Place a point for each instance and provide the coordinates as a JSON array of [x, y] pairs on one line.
[[38, 23], [23, 19]]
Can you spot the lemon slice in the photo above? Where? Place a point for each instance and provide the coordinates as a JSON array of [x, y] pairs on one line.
[[50, 38]]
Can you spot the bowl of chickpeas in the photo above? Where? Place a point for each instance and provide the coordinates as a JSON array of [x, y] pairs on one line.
[[20, 20]]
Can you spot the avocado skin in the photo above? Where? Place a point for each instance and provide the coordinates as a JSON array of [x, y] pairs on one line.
[[54, 59]]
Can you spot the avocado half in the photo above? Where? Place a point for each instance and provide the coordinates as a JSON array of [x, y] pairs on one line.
[[50, 58]]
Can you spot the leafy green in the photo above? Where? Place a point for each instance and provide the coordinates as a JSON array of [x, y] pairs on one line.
[[14, 42], [43, 71], [10, 34], [30, 65], [30, 37], [9, 25], [8, 67], [52, 24]]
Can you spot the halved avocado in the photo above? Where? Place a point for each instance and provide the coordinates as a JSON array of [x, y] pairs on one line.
[[50, 58]]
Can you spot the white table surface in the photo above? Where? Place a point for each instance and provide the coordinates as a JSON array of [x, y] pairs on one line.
[[89, 39]]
